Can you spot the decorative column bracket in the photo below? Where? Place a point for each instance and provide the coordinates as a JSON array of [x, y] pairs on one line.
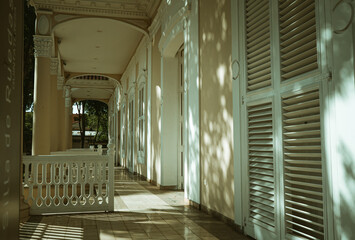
[[54, 66], [67, 95]]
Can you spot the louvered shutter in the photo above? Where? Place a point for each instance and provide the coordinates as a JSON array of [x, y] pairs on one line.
[[258, 44], [303, 165], [261, 165], [298, 38]]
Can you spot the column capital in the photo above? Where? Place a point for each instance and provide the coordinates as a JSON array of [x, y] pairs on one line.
[[67, 95], [67, 91], [54, 66], [42, 45]]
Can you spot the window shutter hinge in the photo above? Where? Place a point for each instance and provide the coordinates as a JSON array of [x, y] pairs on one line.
[[243, 100], [245, 222]]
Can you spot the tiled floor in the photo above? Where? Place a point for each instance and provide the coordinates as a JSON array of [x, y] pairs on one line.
[[141, 212]]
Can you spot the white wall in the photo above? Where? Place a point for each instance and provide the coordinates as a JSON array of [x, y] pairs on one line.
[[341, 110]]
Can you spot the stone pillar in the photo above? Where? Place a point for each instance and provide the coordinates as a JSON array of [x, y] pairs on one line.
[[62, 141], [42, 89], [54, 106], [68, 117]]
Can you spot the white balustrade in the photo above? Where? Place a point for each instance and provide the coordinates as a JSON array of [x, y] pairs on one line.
[[64, 183]]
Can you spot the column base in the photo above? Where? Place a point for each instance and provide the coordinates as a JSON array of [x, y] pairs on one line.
[[24, 210]]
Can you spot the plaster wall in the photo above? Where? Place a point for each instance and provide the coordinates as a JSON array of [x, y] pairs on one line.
[[216, 108], [169, 120], [340, 101]]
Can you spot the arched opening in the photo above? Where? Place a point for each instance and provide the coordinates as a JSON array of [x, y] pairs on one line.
[[89, 124]]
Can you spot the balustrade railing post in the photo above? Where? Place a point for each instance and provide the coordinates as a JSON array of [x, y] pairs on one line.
[[111, 177], [99, 149]]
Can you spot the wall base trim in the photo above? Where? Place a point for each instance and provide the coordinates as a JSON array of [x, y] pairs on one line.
[[217, 215]]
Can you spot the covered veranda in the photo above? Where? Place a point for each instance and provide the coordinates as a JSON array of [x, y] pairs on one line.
[[142, 211]]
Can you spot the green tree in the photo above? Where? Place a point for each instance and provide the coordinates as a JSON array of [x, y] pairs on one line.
[[28, 75], [97, 119], [81, 120], [93, 115]]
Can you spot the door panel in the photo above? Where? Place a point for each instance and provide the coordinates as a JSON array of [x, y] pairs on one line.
[[280, 84]]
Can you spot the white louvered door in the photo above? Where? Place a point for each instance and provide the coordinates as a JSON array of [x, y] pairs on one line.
[[281, 109]]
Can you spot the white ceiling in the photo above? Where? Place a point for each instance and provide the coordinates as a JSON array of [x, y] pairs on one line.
[[96, 45]]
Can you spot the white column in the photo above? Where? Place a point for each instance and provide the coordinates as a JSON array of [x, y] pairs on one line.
[[149, 112], [62, 142], [68, 117], [54, 124], [42, 88]]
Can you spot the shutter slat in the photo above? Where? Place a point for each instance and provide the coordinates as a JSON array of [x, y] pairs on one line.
[[316, 201], [303, 191], [260, 65], [305, 162], [302, 126], [302, 105], [265, 160], [310, 214], [297, 55], [264, 80], [297, 66], [303, 183], [258, 57], [252, 4], [305, 227], [302, 119], [293, 9], [268, 197], [257, 20], [293, 175], [302, 112], [303, 155], [257, 47], [298, 15], [303, 134], [302, 140], [302, 234], [260, 85], [262, 212], [295, 100], [262, 177], [298, 38], [304, 169]]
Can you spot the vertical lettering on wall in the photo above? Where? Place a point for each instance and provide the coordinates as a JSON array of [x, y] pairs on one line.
[[11, 17]]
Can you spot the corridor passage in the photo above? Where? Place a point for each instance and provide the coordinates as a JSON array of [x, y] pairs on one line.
[[142, 211]]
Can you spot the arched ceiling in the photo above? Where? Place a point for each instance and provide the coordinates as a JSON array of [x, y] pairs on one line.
[[95, 37], [96, 45]]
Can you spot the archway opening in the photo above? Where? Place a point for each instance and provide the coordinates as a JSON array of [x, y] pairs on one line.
[[89, 124]]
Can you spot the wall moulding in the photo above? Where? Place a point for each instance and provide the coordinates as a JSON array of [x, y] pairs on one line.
[[54, 66], [98, 9]]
